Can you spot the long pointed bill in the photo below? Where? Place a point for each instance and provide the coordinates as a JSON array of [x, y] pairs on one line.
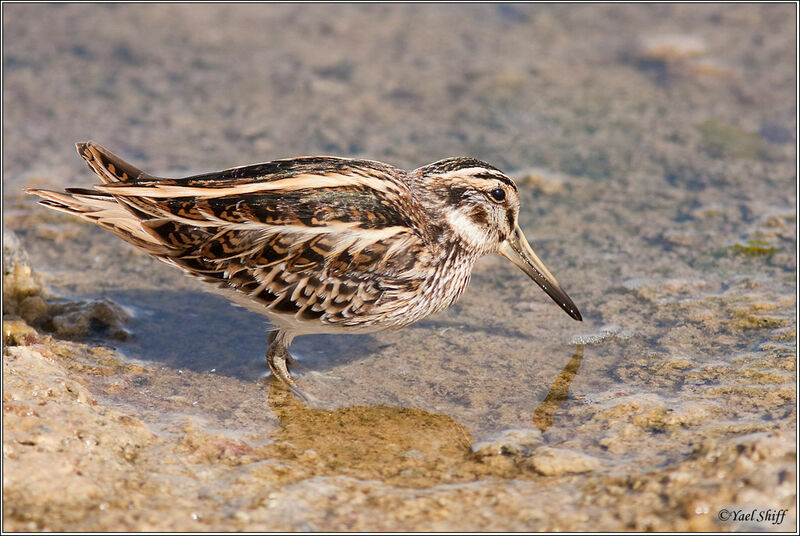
[[517, 250]]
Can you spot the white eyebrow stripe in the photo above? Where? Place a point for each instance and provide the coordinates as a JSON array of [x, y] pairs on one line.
[[469, 171]]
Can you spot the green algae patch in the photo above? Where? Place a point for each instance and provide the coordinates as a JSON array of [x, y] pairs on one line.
[[721, 139], [754, 248]]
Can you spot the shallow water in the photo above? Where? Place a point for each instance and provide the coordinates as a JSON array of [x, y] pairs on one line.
[[655, 152]]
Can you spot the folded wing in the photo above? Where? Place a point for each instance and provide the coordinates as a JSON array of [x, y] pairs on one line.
[[311, 239]]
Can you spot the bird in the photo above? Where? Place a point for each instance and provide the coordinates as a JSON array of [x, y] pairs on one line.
[[318, 244]]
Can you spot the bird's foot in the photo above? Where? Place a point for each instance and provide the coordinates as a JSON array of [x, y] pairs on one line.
[[278, 359]]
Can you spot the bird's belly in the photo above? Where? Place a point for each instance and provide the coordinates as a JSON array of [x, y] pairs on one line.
[[394, 303]]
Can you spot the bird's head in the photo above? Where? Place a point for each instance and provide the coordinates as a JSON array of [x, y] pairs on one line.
[[478, 205]]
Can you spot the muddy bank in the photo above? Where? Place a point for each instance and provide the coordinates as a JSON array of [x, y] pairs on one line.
[[139, 448]]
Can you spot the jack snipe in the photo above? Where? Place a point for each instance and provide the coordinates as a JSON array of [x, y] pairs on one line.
[[318, 244]]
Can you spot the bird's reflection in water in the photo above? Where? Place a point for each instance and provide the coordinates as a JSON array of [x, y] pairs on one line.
[[405, 446], [544, 415]]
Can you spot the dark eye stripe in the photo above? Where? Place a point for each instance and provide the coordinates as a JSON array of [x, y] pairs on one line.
[[494, 177], [479, 216]]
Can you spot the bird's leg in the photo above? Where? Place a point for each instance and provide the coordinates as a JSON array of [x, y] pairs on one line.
[[278, 358], [271, 339]]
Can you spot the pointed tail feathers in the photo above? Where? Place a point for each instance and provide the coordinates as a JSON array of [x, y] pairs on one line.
[[108, 166], [104, 210]]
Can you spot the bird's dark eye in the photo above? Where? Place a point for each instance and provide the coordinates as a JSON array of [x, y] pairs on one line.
[[498, 194]]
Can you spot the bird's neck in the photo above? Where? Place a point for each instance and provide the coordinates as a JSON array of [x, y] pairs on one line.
[[452, 275]]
